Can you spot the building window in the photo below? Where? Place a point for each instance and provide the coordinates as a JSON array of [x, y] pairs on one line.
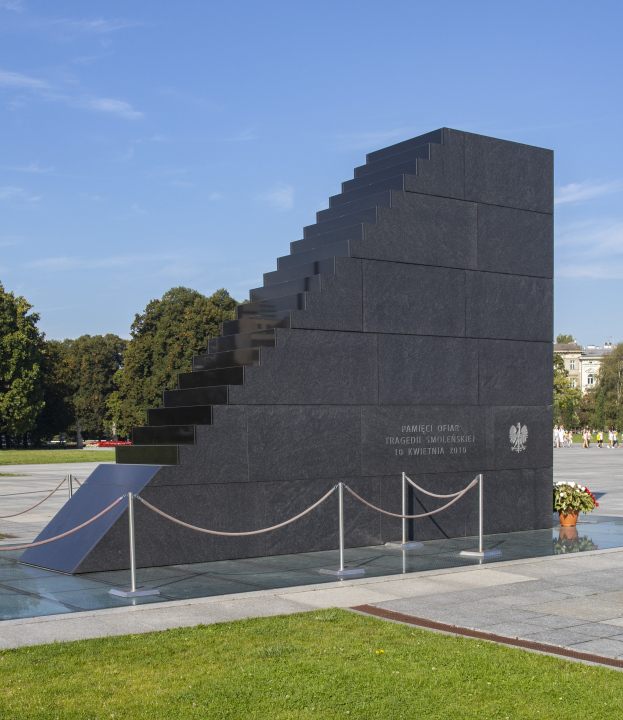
[[590, 380], [572, 380], [571, 364]]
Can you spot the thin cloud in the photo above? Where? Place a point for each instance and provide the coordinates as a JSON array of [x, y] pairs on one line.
[[591, 249], [32, 168], [24, 82], [578, 192], [94, 27], [11, 192], [10, 240], [373, 140], [280, 198], [215, 196], [243, 136], [110, 106], [15, 5]]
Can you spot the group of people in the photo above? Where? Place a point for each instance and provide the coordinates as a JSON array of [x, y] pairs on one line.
[[563, 438]]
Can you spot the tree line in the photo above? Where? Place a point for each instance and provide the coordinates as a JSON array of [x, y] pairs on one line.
[[54, 387]]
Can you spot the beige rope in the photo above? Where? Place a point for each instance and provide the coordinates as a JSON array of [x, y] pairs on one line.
[[69, 532], [21, 512], [412, 517], [239, 534], [417, 487]]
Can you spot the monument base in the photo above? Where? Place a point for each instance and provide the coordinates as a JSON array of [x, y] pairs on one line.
[[480, 553], [404, 546], [137, 592], [342, 573]]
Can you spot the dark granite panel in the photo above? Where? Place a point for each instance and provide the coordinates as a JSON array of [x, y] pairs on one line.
[[435, 136], [292, 443], [192, 396], [508, 307], [406, 168], [193, 414], [261, 338], [326, 266], [427, 370], [147, 455], [421, 151], [235, 327], [444, 173], [352, 232], [230, 358], [422, 229], [505, 173], [332, 250], [213, 395], [204, 379], [220, 455], [515, 241], [311, 367], [396, 182], [515, 373], [367, 215], [339, 305], [105, 485], [522, 437], [381, 199], [543, 481], [273, 308], [513, 500], [424, 438], [165, 435], [414, 299], [290, 287]]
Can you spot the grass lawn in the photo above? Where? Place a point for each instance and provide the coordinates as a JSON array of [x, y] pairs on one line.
[[45, 456], [324, 664]]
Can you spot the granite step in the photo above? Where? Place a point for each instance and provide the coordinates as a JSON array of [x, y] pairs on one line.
[[214, 378], [164, 435], [383, 199], [227, 359], [325, 266], [317, 254], [406, 168], [421, 151], [210, 395], [195, 395], [287, 288], [260, 338], [394, 183], [181, 415], [436, 136], [238, 327], [353, 232], [147, 455], [360, 216], [273, 307]]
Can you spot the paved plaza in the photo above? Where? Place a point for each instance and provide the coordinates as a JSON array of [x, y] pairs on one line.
[[572, 601]]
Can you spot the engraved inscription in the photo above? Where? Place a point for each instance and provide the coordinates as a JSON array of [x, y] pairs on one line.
[[428, 439]]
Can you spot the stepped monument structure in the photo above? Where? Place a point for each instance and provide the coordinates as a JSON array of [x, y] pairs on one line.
[[409, 330]]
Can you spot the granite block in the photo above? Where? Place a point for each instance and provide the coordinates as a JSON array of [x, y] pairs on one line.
[[325, 266], [515, 373], [422, 229], [508, 307], [413, 299], [522, 437], [498, 172], [288, 287], [515, 241], [292, 443], [338, 305], [427, 370], [435, 136], [367, 215], [444, 173], [313, 367], [272, 308], [509, 504], [319, 254], [351, 232], [381, 199], [421, 151], [424, 438]]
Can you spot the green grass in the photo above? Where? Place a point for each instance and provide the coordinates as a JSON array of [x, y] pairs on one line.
[[43, 456], [12, 475], [324, 664]]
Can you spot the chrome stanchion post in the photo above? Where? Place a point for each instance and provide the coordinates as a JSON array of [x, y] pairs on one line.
[[69, 485], [132, 591], [481, 552], [405, 503], [341, 571]]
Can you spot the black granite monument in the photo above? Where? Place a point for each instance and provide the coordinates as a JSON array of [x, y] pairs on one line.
[[409, 330]]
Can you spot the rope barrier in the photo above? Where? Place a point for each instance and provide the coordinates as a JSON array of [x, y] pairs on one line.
[[413, 517], [239, 534], [426, 492], [21, 512], [69, 532]]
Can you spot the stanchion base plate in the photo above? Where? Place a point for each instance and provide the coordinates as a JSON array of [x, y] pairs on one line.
[[342, 573], [128, 592], [477, 553], [404, 546]]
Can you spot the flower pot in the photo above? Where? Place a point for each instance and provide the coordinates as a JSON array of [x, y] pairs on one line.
[[568, 533], [570, 519]]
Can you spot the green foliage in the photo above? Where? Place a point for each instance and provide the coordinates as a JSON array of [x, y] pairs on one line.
[[92, 362], [570, 496], [58, 412], [43, 456], [21, 365], [607, 397], [164, 339], [297, 667], [566, 398], [564, 339], [563, 545]]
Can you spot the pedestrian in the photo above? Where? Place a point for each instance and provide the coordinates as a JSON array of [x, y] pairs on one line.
[[556, 436], [615, 438], [570, 438], [600, 438], [561, 436], [610, 438]]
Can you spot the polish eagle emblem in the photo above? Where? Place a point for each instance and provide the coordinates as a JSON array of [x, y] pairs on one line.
[[518, 435]]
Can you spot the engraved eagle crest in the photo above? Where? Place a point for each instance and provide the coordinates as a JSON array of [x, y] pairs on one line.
[[518, 435]]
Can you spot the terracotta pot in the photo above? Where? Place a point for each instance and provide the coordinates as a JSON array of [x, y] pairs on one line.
[[569, 533], [570, 519]]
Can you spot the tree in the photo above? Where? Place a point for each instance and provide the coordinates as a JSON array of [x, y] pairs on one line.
[[566, 399], [92, 362], [58, 411], [21, 360], [564, 339], [609, 391], [164, 339]]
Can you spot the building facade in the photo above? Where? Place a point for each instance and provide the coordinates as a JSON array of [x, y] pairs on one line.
[[582, 364]]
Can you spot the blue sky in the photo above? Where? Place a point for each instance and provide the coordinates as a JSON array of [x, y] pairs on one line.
[[149, 144]]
